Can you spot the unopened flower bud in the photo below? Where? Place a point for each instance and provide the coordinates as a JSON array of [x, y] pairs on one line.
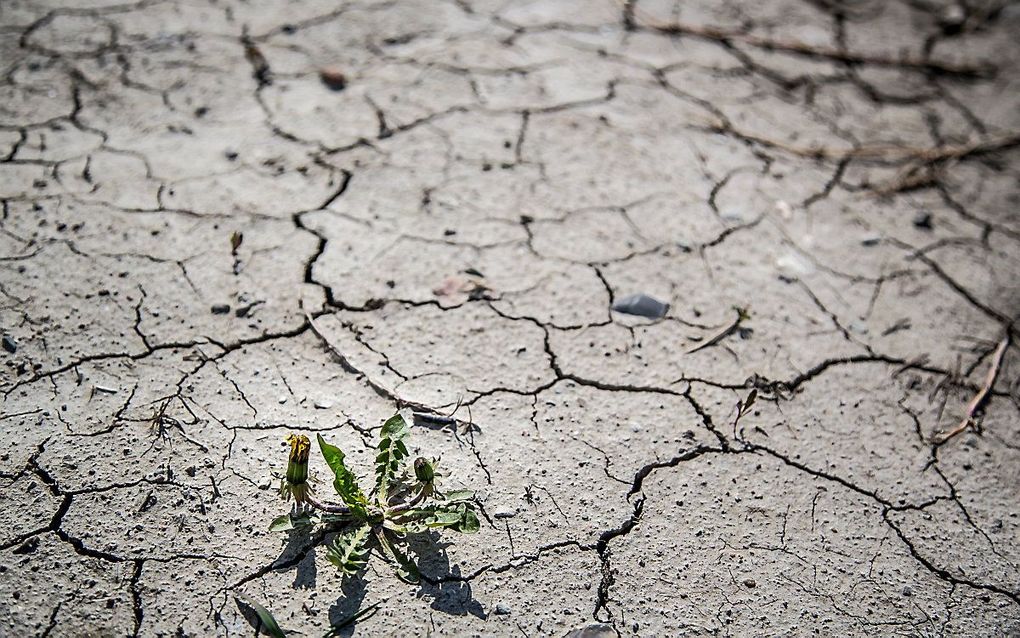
[[296, 482], [424, 470]]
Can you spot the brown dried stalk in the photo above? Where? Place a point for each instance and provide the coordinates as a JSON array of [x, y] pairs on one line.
[[727, 36], [981, 397], [723, 332], [890, 153]]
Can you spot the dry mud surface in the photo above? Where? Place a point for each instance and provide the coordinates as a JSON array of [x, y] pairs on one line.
[[183, 196]]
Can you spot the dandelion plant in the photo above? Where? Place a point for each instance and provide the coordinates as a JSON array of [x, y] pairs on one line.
[[401, 503]]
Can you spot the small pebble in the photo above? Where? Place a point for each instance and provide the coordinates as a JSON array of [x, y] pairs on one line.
[[333, 78], [952, 18], [923, 220], [750, 583], [641, 305], [10, 345], [323, 405], [502, 609], [220, 309], [599, 630]]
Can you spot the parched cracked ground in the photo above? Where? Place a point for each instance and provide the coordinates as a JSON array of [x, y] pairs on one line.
[[205, 247]]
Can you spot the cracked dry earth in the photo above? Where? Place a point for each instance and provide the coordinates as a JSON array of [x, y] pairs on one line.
[[448, 230]]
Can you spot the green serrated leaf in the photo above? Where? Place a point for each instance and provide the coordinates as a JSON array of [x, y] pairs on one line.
[[455, 496], [289, 522], [269, 623], [345, 482], [346, 485], [456, 516], [329, 518], [468, 523], [406, 570], [423, 513], [444, 518], [347, 551], [281, 524], [392, 452], [333, 455]]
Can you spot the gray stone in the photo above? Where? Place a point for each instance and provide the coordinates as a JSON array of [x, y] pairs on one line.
[[641, 305]]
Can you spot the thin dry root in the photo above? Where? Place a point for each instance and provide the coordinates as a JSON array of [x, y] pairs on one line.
[[641, 20], [889, 153], [982, 395], [876, 153], [721, 333]]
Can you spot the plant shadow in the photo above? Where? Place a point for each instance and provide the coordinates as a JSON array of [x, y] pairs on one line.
[[301, 542], [442, 585], [448, 591], [304, 577], [348, 605]]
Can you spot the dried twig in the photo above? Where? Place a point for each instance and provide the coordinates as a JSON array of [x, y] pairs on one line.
[[722, 332], [729, 36], [914, 176], [878, 153], [979, 399], [890, 153]]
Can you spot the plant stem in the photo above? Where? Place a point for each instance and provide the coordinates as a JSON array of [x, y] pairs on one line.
[[326, 507], [720, 334], [982, 395], [403, 507]]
